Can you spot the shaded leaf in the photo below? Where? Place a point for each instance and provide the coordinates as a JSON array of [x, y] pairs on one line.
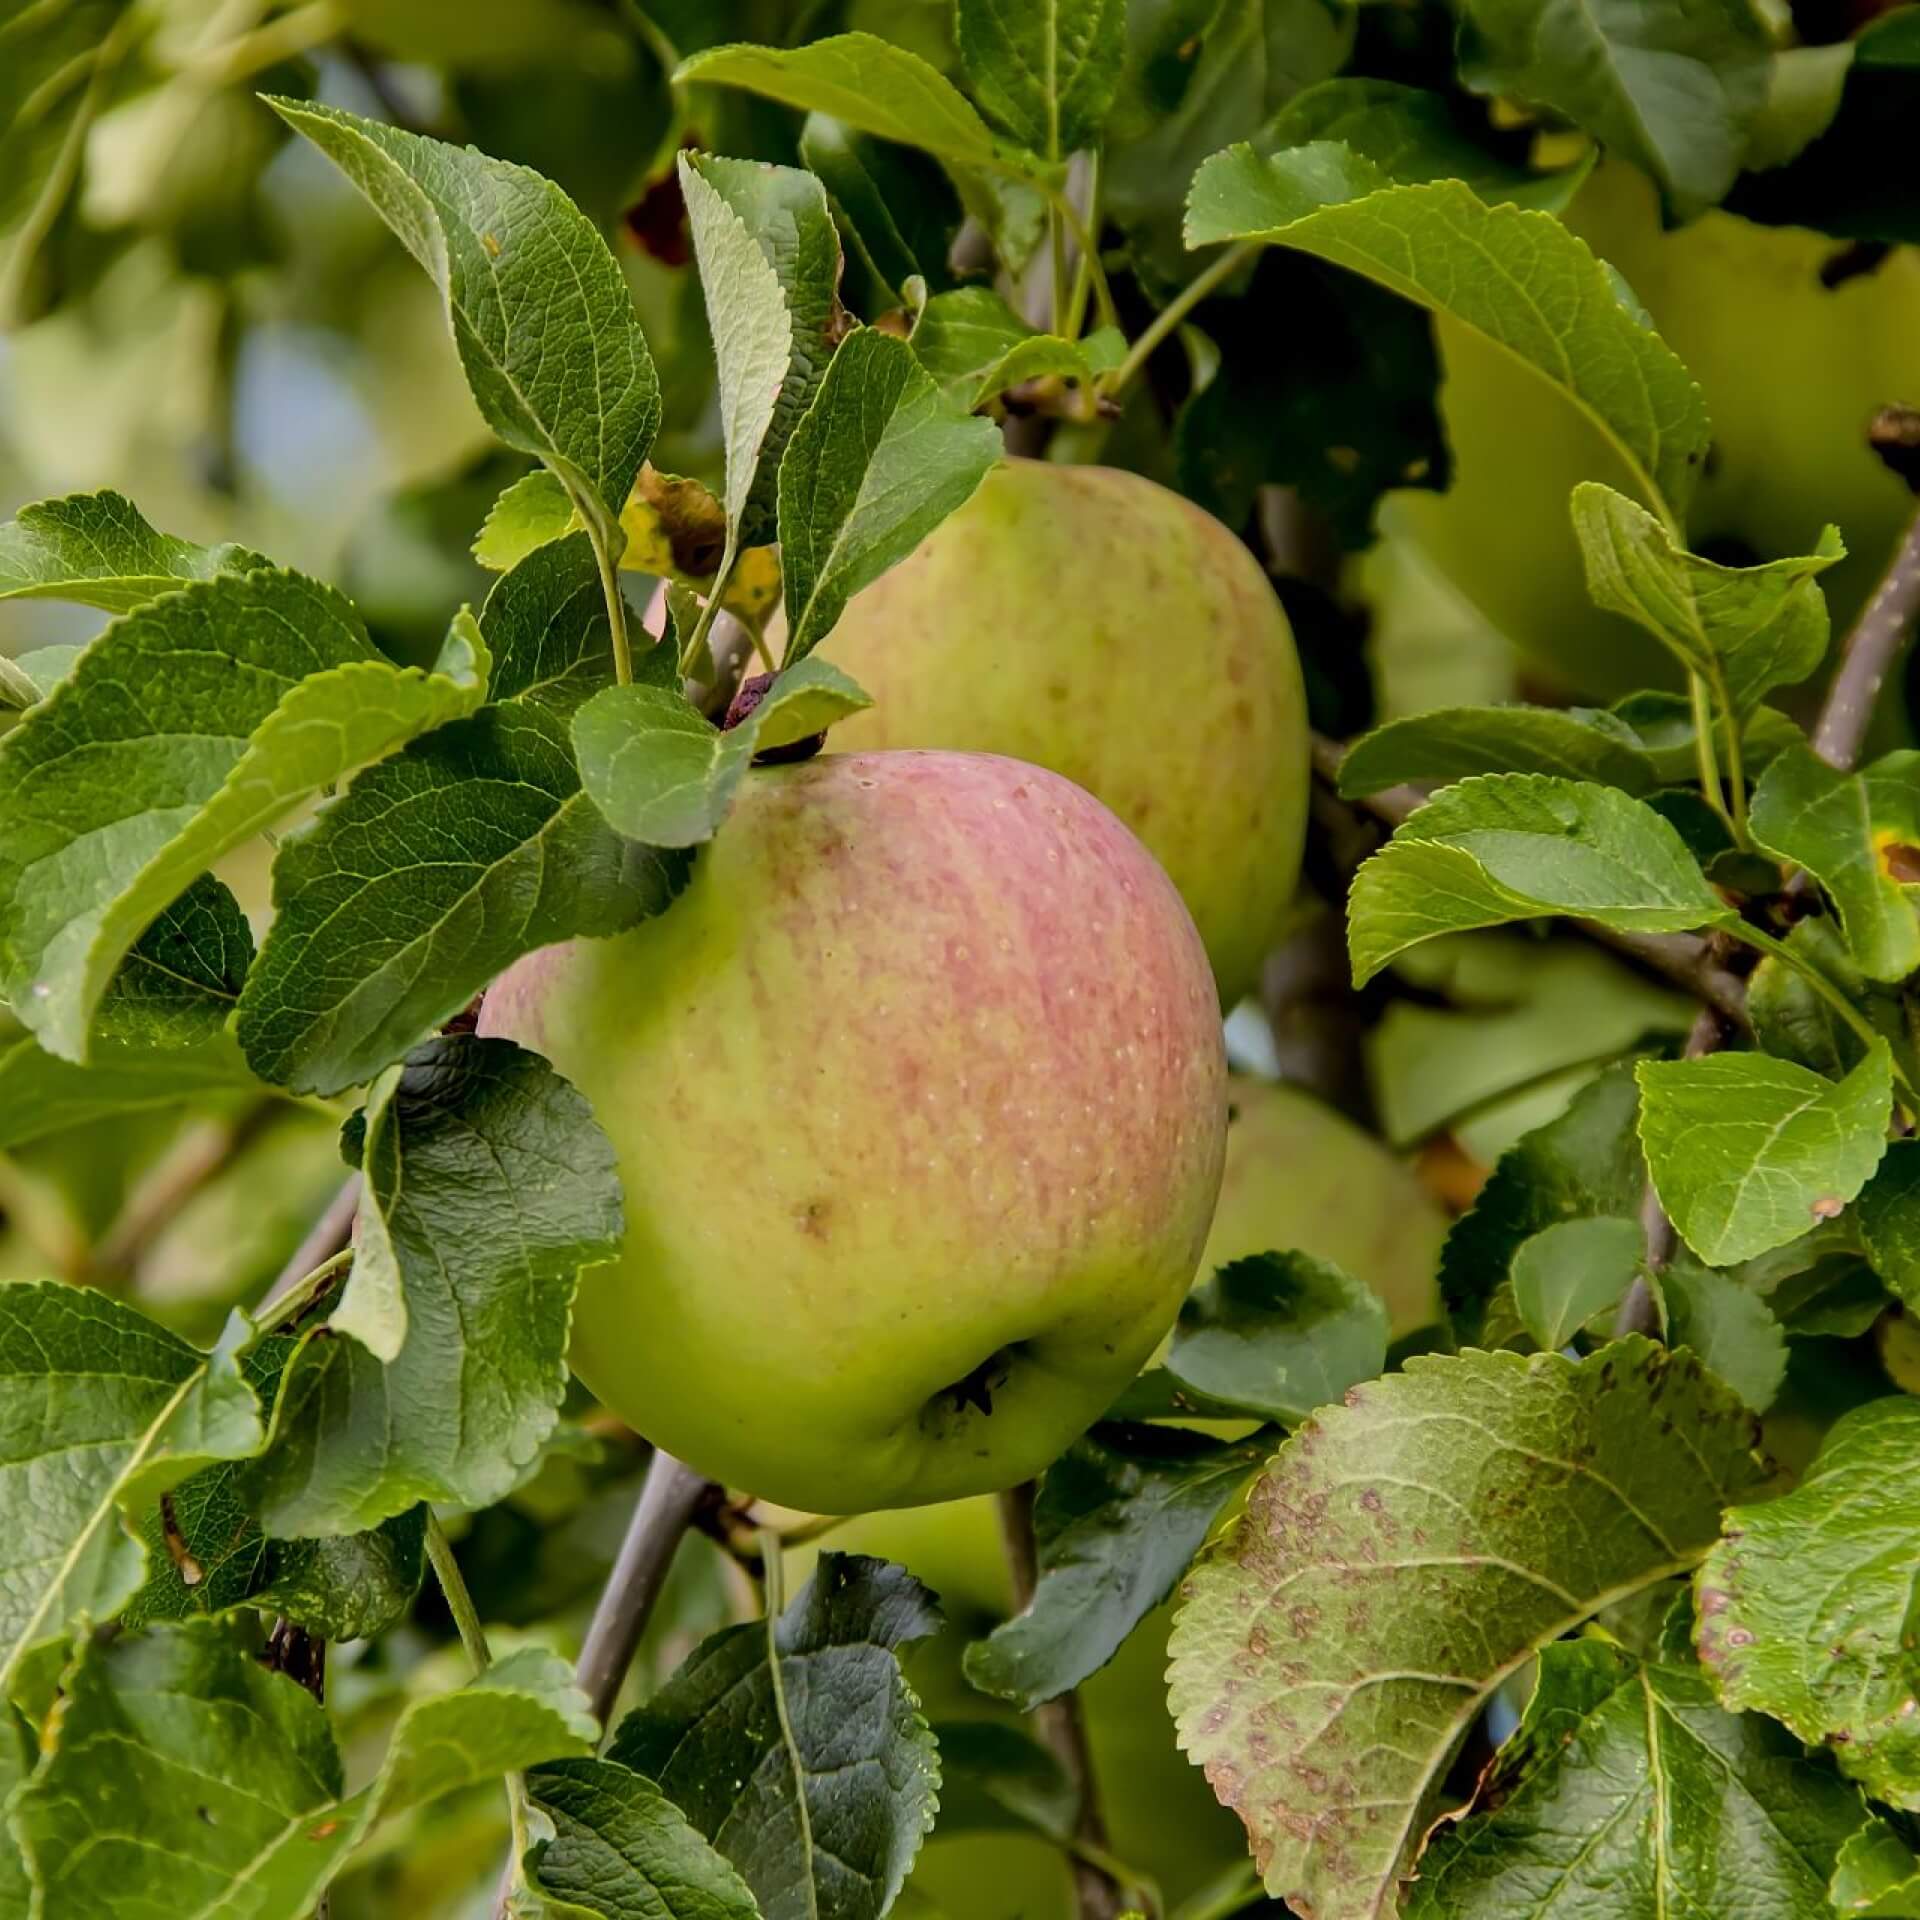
[[1794, 1021], [182, 977], [1889, 1216], [976, 346], [1046, 70], [797, 1747], [1747, 1152], [1454, 743], [1729, 1326], [1565, 1274], [1805, 1605], [896, 210], [1117, 1519], [41, 1095]]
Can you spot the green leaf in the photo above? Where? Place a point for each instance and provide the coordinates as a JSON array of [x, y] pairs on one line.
[[188, 726], [622, 1849], [1791, 1019], [1858, 834], [238, 1785], [1046, 70], [976, 346], [664, 775], [1675, 86], [881, 458], [1747, 630], [783, 212], [1626, 1791], [1454, 743], [1499, 848], [490, 1186], [1565, 1274], [526, 516], [1401, 1557], [1513, 274], [895, 208], [1584, 1164], [431, 874], [1278, 1335], [95, 548], [1117, 1519], [545, 623], [1877, 1876], [1663, 723], [181, 978], [102, 1410], [1889, 1219], [1747, 1152], [870, 84], [206, 1553], [797, 1747], [540, 312], [995, 1779], [1806, 1603], [41, 1095], [1413, 137], [1729, 1326], [18, 1753]]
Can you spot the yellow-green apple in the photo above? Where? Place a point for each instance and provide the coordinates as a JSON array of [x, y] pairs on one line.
[[1090, 621], [1302, 1177], [918, 1095], [1792, 370]]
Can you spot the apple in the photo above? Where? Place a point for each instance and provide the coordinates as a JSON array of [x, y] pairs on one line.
[[1090, 621], [1300, 1176], [919, 1099], [1792, 371]]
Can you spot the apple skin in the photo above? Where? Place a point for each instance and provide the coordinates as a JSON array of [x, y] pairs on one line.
[[921, 1075], [1792, 371], [1092, 622], [1300, 1176]]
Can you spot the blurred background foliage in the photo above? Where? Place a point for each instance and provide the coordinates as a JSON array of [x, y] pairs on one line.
[[204, 315]]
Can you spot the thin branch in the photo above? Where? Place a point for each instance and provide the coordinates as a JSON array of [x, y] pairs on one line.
[[1097, 1893], [1868, 656], [325, 1239], [669, 1498], [1223, 268], [1685, 959]]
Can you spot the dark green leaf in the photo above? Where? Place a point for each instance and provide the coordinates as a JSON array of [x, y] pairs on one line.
[[1278, 1335], [797, 1747], [1793, 1020], [1454, 743], [622, 1849], [540, 313], [896, 210], [976, 346], [880, 459], [188, 726], [995, 1779], [489, 1186], [1748, 1153], [1806, 1603], [1565, 1274], [1403, 1555], [1877, 1876], [96, 548], [1889, 1216], [1118, 1517], [1729, 1326], [181, 978], [41, 1095], [1626, 1791], [1046, 70]]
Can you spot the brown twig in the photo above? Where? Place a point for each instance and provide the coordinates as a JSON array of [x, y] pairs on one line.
[[669, 1497], [1097, 1895], [1868, 656], [1684, 959], [324, 1239]]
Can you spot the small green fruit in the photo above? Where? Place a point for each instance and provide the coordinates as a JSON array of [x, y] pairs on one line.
[[1092, 622], [919, 1100]]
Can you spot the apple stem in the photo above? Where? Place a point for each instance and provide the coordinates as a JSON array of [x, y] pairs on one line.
[[669, 1497], [1097, 1894]]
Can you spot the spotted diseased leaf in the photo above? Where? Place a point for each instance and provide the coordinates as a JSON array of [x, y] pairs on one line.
[[663, 774], [1504, 847], [541, 316], [102, 1412], [1117, 1519], [1626, 1790], [188, 726], [1516, 275], [1748, 1153], [488, 1186], [881, 458], [1806, 1604], [621, 1849], [1676, 86], [1401, 1556], [97, 549], [1045, 71], [1745, 630], [1858, 834], [236, 1778], [797, 1747], [1877, 1876]]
